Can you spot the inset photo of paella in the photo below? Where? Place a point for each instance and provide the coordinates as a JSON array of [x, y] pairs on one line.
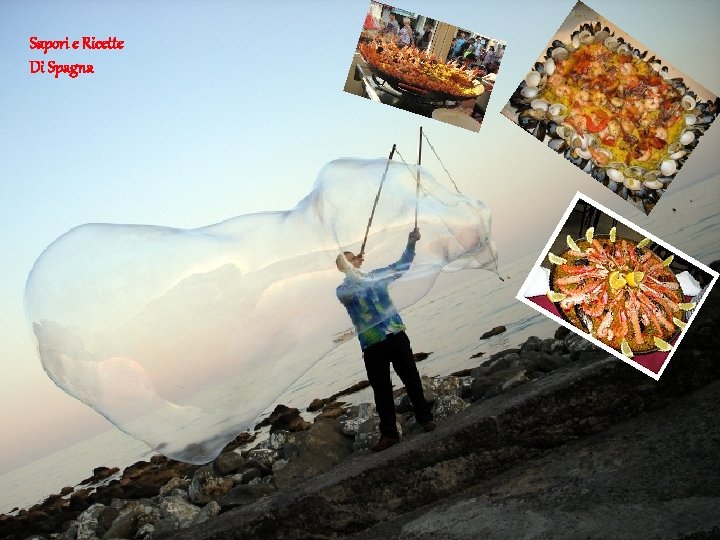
[[612, 108], [617, 285], [428, 67]]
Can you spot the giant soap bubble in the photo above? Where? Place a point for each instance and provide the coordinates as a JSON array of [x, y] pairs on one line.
[[182, 338]]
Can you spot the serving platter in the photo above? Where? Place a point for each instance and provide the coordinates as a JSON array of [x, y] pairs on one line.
[[613, 110], [619, 292]]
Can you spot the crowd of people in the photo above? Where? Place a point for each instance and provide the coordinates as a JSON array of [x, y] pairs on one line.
[[403, 35], [476, 52]]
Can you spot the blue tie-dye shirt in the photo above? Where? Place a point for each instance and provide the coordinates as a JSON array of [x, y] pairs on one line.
[[368, 302]]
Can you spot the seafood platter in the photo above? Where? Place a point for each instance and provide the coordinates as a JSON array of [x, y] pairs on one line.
[[613, 111], [618, 291], [419, 74]]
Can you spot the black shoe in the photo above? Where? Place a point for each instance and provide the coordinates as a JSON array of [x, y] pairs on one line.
[[428, 426], [384, 443]]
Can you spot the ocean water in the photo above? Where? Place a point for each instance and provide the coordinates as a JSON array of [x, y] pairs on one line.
[[447, 323]]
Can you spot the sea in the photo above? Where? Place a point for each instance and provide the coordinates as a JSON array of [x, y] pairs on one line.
[[470, 308]]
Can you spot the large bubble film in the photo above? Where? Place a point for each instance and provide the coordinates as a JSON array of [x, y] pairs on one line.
[[182, 338]]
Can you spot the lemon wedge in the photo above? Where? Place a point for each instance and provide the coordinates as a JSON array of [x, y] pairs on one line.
[[687, 306], [667, 261], [589, 234], [634, 278], [617, 280], [556, 296], [663, 346], [613, 233], [571, 243], [555, 259], [644, 242], [625, 349], [680, 324]]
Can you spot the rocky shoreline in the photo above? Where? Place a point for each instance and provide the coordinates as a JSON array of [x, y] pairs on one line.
[[314, 480]]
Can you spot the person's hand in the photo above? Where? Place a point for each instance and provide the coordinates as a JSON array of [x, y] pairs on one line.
[[414, 236]]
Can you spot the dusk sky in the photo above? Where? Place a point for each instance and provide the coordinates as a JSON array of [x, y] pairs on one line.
[[217, 109]]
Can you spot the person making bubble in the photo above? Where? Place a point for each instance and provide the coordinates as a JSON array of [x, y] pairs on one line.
[[382, 337]]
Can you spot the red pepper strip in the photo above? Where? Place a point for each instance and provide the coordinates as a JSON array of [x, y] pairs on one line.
[[656, 142], [609, 141], [603, 120]]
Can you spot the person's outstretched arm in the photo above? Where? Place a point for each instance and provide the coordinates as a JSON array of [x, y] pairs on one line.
[[399, 267]]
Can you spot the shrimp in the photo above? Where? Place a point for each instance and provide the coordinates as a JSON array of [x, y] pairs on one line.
[[582, 98]]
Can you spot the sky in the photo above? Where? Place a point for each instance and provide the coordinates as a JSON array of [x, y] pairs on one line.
[[221, 108]]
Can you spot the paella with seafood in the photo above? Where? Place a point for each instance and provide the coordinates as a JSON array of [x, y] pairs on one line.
[[618, 291]]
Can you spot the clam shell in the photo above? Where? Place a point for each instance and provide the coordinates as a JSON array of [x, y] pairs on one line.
[[653, 184], [687, 137], [575, 41], [585, 154], [538, 114], [678, 154], [633, 184], [533, 78], [634, 172], [623, 49], [611, 43], [529, 91], [668, 167], [656, 66], [601, 36], [565, 131], [540, 104], [560, 53], [557, 109], [549, 66], [688, 103], [616, 176], [586, 37], [690, 119]]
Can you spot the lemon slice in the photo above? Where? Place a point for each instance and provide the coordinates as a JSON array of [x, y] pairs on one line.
[[663, 346], [589, 234], [555, 259], [687, 306], [667, 261], [556, 296], [617, 281], [634, 278], [680, 324], [644, 242], [571, 243], [625, 349], [613, 233]]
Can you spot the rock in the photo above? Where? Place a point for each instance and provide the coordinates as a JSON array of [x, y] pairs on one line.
[[179, 511], [284, 418], [249, 475], [491, 385], [133, 515], [561, 333], [253, 463], [320, 448], [206, 486], [277, 439], [145, 532], [244, 494], [241, 440], [419, 357], [545, 362], [289, 451], [227, 463], [315, 405], [208, 511], [265, 456], [533, 343], [430, 387], [99, 474], [476, 355], [447, 406], [367, 434], [349, 426], [333, 410], [87, 522], [494, 332], [174, 484], [67, 490], [449, 386], [576, 344], [519, 378]]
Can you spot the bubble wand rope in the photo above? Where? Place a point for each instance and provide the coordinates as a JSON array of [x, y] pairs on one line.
[[417, 177], [377, 198]]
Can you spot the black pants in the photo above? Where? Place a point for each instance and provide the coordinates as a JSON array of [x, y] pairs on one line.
[[396, 349]]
